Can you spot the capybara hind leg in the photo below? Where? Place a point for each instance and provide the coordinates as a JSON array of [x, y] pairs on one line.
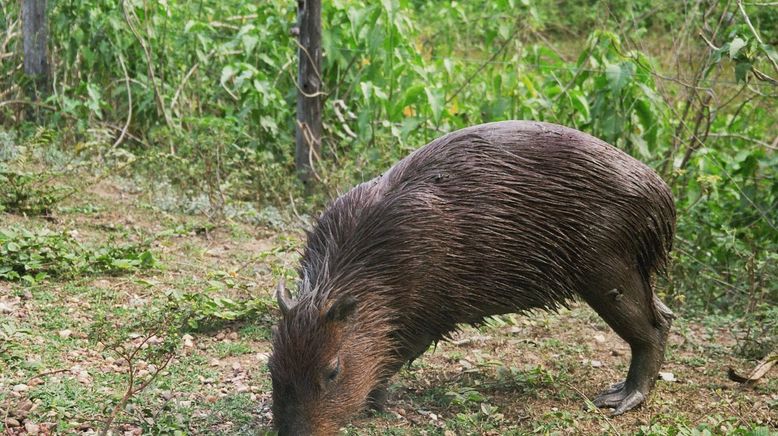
[[630, 309]]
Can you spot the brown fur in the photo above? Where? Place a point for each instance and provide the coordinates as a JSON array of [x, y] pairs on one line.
[[492, 219]]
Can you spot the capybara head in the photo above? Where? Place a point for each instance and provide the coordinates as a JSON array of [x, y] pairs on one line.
[[320, 368]]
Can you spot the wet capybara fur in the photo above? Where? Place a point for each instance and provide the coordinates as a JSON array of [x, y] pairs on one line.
[[492, 219]]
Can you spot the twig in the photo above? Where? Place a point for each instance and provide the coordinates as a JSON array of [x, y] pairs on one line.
[[28, 102], [311, 141], [234, 97], [44, 374], [743, 137], [294, 210], [129, 135], [149, 64], [300, 89], [762, 76], [186, 78], [342, 77], [310, 59], [129, 102], [756, 34], [241, 17], [131, 389], [710, 44], [494, 55]]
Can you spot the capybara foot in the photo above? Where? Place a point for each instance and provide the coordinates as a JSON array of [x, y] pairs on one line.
[[377, 399], [620, 398]]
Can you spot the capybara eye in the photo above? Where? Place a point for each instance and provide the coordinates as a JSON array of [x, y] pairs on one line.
[[333, 371]]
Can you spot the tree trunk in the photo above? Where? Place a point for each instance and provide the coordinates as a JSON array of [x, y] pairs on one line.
[[35, 34], [308, 135]]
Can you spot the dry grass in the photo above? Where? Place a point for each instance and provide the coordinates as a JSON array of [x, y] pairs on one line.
[[515, 375]]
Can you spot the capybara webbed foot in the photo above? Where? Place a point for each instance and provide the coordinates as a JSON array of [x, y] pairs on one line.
[[620, 397]]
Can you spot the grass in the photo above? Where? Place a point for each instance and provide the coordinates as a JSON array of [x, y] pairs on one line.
[[513, 375]]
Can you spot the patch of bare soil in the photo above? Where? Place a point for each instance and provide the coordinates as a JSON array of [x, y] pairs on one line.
[[519, 374]]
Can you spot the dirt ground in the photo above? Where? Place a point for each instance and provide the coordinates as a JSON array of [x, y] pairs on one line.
[[518, 374]]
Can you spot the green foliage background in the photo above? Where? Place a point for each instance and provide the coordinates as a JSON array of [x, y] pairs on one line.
[[204, 92]]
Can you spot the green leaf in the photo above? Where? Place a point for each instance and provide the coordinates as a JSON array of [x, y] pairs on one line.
[[618, 75], [249, 42], [435, 100], [735, 46], [367, 90], [227, 73], [741, 71], [580, 104]]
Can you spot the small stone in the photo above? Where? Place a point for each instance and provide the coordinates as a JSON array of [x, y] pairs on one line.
[[84, 426], [596, 364], [188, 341], [20, 388], [22, 409], [236, 366], [83, 377], [12, 423], [64, 334], [465, 364], [32, 428], [6, 307], [599, 339], [667, 376], [263, 357], [233, 336], [154, 340]]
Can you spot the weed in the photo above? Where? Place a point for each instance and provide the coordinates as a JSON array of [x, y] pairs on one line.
[[21, 193], [203, 308], [10, 335], [34, 255]]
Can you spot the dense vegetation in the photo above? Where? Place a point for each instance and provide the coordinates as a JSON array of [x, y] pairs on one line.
[[194, 101]]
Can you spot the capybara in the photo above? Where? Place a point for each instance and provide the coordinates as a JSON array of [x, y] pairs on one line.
[[492, 219]]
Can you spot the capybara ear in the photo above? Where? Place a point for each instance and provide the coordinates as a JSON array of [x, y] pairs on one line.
[[285, 301], [343, 308]]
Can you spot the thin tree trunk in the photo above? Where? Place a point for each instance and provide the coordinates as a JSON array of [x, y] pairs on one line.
[[35, 34], [308, 134]]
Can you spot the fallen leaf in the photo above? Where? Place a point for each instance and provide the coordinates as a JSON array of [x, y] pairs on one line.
[[758, 372]]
